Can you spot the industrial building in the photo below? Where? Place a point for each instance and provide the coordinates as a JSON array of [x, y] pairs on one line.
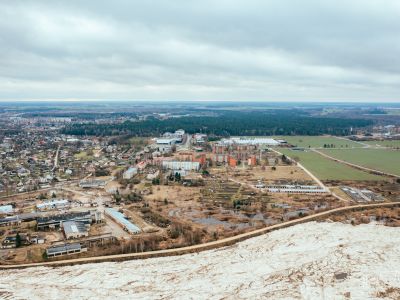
[[66, 249], [92, 183], [53, 204], [177, 135], [10, 221], [6, 209], [56, 221], [74, 230], [122, 221], [199, 138], [296, 189], [362, 195], [18, 219], [250, 141], [164, 145]]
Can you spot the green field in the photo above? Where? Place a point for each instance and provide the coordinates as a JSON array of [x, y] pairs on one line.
[[319, 141], [389, 144], [326, 169], [378, 159]]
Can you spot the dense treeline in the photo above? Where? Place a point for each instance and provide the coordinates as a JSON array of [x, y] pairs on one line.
[[79, 116], [232, 123]]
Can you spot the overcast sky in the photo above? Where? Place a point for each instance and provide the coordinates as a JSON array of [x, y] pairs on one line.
[[200, 50]]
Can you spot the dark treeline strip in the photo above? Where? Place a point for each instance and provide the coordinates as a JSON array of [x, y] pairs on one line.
[[79, 116], [233, 123]]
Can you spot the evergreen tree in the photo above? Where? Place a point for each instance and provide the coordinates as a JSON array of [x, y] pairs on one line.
[[18, 240]]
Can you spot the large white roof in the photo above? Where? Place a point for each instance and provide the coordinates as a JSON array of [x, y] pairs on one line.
[[250, 141]]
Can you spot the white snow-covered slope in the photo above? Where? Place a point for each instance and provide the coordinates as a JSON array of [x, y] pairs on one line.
[[308, 261]]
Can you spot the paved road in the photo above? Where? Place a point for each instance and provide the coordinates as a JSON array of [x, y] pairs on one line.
[[186, 145]]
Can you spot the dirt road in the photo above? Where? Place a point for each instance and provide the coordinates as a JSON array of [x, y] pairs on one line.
[[355, 165], [201, 247]]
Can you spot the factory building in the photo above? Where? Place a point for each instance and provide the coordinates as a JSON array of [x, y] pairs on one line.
[[177, 135], [164, 145], [10, 221], [250, 141], [66, 249], [56, 221], [296, 189], [166, 141], [18, 219], [92, 183], [53, 204], [74, 230], [122, 221]]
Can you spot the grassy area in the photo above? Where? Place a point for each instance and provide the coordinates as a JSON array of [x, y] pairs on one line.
[[139, 142], [378, 159], [326, 169], [389, 144], [83, 156], [319, 141]]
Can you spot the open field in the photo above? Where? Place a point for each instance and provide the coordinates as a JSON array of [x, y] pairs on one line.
[[388, 144], [83, 156], [326, 169], [319, 141], [378, 159]]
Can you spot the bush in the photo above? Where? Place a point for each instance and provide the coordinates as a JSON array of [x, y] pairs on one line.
[[101, 172]]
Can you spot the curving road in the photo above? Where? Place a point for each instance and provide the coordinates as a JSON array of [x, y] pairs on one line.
[[315, 178], [201, 247]]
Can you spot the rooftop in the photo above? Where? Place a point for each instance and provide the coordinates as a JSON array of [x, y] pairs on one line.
[[74, 227], [120, 218], [6, 209], [63, 248], [250, 141]]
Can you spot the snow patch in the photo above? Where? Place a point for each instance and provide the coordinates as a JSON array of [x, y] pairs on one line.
[[307, 261]]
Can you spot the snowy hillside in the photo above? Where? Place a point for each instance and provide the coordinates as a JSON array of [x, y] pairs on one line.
[[308, 261]]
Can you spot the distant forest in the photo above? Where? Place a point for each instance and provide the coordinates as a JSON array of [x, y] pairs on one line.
[[78, 115], [230, 123]]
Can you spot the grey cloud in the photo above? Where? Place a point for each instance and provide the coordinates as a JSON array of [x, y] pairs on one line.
[[233, 50]]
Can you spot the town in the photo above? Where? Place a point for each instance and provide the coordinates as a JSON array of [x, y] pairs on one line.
[[65, 196], [200, 149]]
